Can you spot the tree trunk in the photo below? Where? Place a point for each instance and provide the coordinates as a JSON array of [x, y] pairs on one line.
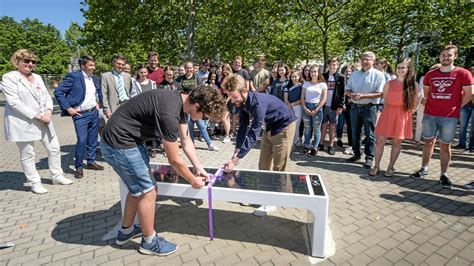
[[325, 50], [190, 29]]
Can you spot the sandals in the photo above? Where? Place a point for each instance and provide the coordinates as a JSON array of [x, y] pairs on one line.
[[374, 171], [389, 172]]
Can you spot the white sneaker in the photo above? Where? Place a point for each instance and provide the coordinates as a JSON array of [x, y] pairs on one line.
[[349, 151], [38, 188], [212, 147], [62, 181], [264, 210], [226, 140]]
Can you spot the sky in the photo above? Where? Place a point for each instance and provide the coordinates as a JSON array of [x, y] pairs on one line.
[[59, 13]]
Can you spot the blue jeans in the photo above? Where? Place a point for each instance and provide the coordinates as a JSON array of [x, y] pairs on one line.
[[202, 125], [314, 123], [132, 165], [87, 133], [340, 125], [439, 126], [363, 116], [467, 113]]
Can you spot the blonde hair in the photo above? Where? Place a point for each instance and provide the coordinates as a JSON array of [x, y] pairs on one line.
[[22, 54], [234, 83]]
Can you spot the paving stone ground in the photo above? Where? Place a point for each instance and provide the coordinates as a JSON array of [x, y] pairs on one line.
[[373, 220]]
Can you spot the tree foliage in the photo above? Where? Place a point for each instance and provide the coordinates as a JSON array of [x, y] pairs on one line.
[[44, 40], [290, 31], [392, 29]]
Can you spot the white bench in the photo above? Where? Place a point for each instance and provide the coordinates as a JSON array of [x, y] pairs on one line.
[[311, 195]]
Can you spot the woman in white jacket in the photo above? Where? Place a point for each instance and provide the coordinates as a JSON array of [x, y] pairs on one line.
[[28, 118]]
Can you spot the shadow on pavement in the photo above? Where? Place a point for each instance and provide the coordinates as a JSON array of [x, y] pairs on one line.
[[418, 184], [89, 228], [458, 158], [12, 180], [433, 203], [67, 159]]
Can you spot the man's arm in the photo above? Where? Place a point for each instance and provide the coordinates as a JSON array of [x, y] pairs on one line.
[[64, 89], [172, 153], [426, 92], [468, 93], [378, 90], [189, 149], [105, 94], [340, 88]]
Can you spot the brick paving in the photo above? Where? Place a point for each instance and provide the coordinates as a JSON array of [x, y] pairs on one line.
[[373, 220]]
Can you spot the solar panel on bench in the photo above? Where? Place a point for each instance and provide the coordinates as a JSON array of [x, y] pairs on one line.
[[250, 180]]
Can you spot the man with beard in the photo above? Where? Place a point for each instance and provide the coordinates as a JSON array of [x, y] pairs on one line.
[[155, 73], [277, 140], [446, 90]]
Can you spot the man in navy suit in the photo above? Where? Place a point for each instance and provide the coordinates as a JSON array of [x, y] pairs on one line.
[[77, 95]]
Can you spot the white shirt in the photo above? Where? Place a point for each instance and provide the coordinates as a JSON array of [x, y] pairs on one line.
[[331, 86], [313, 92], [90, 98]]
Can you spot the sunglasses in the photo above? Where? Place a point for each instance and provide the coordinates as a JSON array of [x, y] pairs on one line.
[[27, 61]]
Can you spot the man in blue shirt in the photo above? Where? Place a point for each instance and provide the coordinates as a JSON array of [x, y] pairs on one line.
[[365, 88], [277, 140]]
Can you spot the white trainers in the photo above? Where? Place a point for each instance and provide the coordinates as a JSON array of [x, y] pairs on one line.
[[349, 151], [38, 188], [264, 210], [62, 181], [226, 139], [212, 147]]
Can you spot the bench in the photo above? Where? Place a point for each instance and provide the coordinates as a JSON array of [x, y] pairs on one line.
[[284, 189]]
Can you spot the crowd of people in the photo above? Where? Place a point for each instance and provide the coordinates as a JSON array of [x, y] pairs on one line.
[[137, 115]]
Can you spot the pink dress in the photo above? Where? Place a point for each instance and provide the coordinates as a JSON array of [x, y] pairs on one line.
[[394, 122]]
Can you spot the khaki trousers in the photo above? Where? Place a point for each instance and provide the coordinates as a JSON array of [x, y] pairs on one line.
[[276, 149]]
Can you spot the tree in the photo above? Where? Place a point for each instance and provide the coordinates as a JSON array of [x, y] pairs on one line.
[[326, 15], [44, 40], [393, 29]]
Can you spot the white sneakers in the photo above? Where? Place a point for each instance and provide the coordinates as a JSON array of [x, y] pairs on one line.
[[212, 147], [226, 139], [349, 151], [264, 210], [38, 188], [62, 181]]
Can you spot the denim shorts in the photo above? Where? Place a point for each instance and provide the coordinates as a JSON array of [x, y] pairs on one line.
[[329, 115], [133, 167], [438, 126]]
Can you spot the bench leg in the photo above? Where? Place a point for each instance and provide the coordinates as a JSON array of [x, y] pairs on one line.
[[317, 221]]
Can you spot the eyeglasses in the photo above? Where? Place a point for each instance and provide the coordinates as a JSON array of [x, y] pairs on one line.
[[27, 61]]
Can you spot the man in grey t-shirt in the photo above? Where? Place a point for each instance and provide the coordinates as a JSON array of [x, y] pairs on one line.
[[365, 88]]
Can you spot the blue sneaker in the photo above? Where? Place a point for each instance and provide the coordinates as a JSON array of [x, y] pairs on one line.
[[159, 246], [123, 239]]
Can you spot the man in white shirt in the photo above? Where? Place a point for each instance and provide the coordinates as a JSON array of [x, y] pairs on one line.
[[77, 96]]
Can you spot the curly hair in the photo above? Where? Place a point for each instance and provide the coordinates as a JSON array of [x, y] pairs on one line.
[[210, 100]]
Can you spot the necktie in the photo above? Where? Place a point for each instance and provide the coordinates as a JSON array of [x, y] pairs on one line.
[[121, 89]]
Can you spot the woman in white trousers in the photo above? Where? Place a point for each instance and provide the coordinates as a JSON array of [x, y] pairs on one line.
[[28, 119]]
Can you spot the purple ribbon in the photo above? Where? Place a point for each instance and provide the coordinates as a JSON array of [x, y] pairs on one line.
[[212, 179]]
